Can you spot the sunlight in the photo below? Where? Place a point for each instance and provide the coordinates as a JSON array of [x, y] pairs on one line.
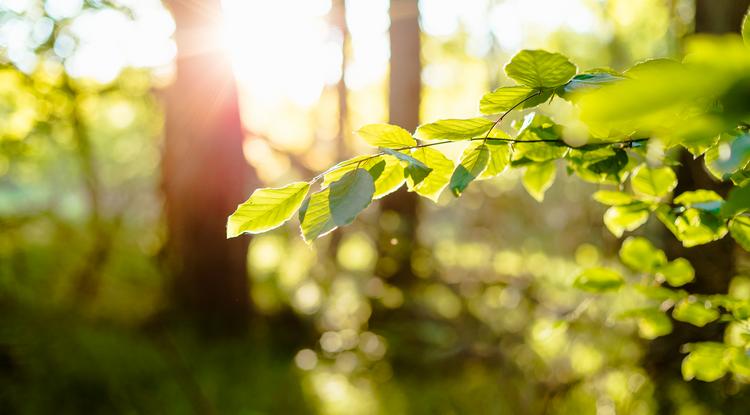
[[290, 60]]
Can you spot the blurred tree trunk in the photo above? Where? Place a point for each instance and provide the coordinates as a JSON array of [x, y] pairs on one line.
[[719, 16], [714, 263], [403, 110], [205, 174]]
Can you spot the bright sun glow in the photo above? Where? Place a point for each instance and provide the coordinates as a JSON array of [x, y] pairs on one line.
[[283, 49]]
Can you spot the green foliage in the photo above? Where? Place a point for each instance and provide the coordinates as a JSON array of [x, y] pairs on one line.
[[540, 69], [473, 163], [538, 178], [634, 121], [386, 135], [695, 313], [641, 256], [657, 182], [267, 209], [453, 129], [350, 195], [599, 280], [442, 169]]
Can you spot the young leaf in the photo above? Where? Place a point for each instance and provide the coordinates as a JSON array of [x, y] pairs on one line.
[[267, 209], [386, 135], [613, 198], [640, 255], [454, 129], [706, 200], [586, 82], [695, 313], [315, 216], [728, 156], [619, 219], [540, 69], [499, 159], [385, 170], [504, 98], [705, 362], [350, 195], [473, 162], [739, 228], [442, 168], [652, 323], [599, 280], [538, 177], [677, 273], [656, 182], [415, 170]]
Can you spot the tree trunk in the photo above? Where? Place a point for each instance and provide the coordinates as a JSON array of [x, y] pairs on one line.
[[719, 16], [205, 174], [403, 110]]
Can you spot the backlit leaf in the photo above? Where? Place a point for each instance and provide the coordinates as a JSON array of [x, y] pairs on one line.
[[656, 182], [473, 163], [499, 159], [705, 362], [504, 98], [267, 209], [677, 273], [315, 216], [540, 69], [442, 169], [694, 312], [640, 255], [599, 280], [739, 228], [619, 219], [539, 177], [454, 129], [386, 135]]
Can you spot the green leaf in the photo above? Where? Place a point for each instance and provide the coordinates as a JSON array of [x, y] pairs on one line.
[[739, 228], [473, 163], [656, 182], [677, 273], [731, 154], [350, 195], [540, 69], [588, 81], [454, 129], [696, 227], [315, 216], [442, 169], [701, 199], [619, 219], [499, 159], [385, 170], [695, 313], [504, 98], [738, 201], [705, 362], [640, 255], [415, 170], [599, 280], [613, 198], [539, 177], [739, 361], [386, 135], [267, 209], [652, 323]]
